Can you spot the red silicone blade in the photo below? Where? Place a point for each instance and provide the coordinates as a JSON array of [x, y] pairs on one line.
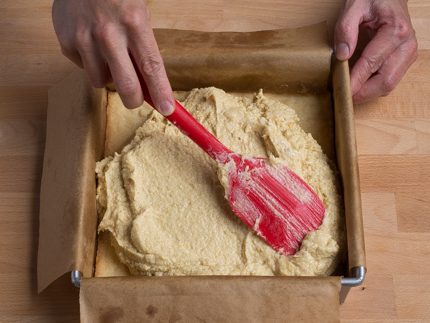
[[274, 201]]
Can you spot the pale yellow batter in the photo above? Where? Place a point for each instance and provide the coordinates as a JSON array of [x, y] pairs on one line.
[[164, 206]]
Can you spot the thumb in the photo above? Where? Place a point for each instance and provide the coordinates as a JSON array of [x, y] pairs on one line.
[[346, 31]]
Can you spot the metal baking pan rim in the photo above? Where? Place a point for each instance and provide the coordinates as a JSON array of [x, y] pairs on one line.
[[356, 279]]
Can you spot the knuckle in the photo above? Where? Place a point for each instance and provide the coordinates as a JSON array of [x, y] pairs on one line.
[[373, 63], [389, 84], [127, 87], [151, 65], [133, 20], [103, 33], [403, 29]]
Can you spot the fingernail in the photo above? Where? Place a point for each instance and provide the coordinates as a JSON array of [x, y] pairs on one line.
[[342, 51], [166, 108]]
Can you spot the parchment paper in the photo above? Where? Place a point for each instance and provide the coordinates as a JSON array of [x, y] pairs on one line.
[[296, 61], [210, 299], [284, 60], [347, 161], [74, 142]]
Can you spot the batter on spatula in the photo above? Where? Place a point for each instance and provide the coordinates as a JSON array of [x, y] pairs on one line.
[[164, 206]]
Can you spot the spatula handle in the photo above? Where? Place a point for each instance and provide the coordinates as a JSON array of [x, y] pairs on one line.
[[190, 127]]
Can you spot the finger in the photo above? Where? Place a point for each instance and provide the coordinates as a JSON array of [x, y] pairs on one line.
[[389, 75], [374, 55], [123, 73], [346, 31], [152, 69], [125, 79], [145, 52], [96, 68]]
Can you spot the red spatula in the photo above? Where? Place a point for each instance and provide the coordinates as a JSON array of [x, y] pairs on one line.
[[275, 202]]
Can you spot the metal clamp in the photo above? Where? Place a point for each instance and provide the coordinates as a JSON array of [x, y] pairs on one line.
[[356, 279], [76, 278], [358, 274]]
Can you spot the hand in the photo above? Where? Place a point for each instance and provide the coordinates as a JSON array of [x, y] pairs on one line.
[[104, 37], [388, 55]]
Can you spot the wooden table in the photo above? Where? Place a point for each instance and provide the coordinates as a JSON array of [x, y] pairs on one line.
[[393, 135]]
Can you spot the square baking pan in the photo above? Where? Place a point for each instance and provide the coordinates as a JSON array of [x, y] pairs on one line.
[[356, 274]]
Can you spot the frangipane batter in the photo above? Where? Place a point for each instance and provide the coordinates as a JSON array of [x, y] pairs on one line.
[[165, 208]]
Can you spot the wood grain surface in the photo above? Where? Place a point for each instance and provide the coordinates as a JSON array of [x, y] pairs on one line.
[[393, 135]]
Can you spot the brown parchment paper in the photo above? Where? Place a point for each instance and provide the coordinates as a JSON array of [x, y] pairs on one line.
[[74, 142], [210, 299], [347, 161], [284, 60], [75, 137]]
